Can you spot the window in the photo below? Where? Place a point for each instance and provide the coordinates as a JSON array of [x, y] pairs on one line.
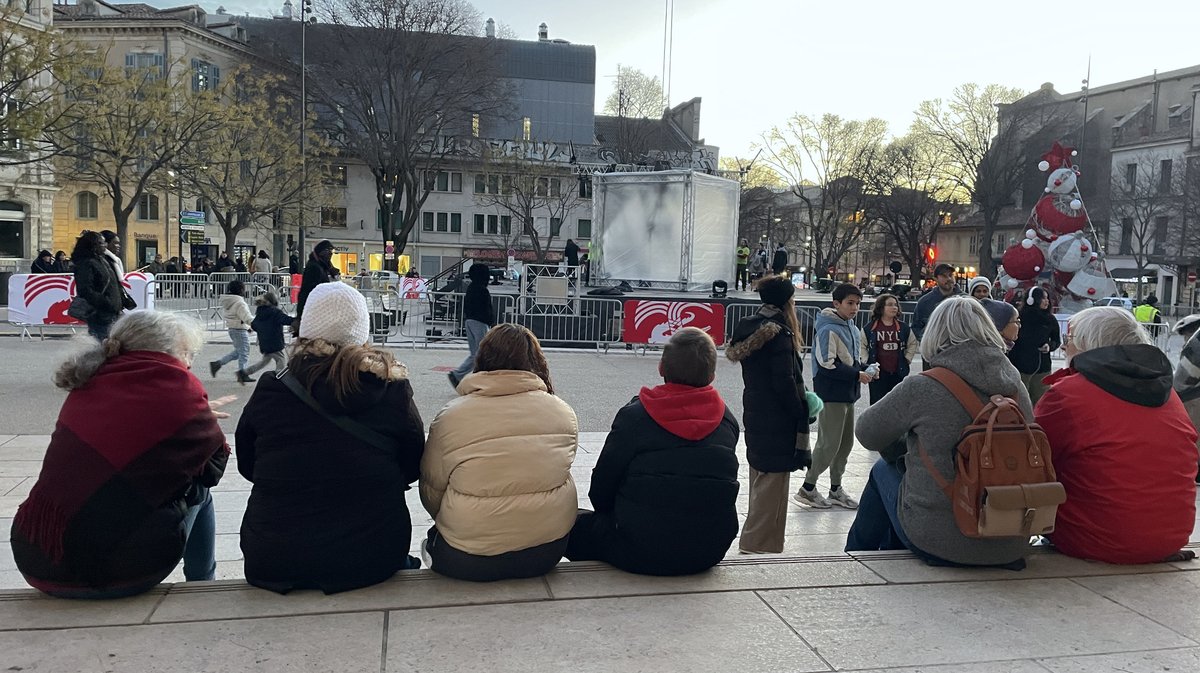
[[526, 128], [584, 229], [456, 223], [87, 205], [493, 184], [1160, 235], [154, 63], [9, 138], [555, 187], [443, 181], [333, 217], [585, 186], [443, 221], [1126, 235], [1164, 177], [477, 228], [334, 174], [1130, 174], [480, 183], [426, 221], [205, 76], [148, 207], [475, 125], [505, 225], [555, 226]]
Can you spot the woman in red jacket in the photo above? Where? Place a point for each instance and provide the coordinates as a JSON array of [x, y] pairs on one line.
[[1123, 445]]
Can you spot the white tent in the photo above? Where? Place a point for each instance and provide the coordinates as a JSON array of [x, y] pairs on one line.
[[674, 229]]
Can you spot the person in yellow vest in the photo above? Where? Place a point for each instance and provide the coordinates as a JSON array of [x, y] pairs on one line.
[[742, 280], [1148, 315]]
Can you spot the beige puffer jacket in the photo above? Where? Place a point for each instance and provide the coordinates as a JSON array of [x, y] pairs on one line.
[[496, 474], [236, 312]]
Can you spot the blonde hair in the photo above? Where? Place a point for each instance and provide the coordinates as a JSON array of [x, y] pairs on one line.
[[1102, 326], [175, 334], [959, 320]]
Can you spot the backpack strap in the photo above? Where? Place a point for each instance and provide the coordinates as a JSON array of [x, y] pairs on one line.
[[970, 403]]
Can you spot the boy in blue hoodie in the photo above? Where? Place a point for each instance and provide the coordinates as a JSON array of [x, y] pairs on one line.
[[665, 484], [838, 375]]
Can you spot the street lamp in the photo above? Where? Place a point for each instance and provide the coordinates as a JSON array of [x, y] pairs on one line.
[[305, 17]]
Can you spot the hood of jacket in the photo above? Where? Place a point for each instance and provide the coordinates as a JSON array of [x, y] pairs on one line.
[[828, 319], [1140, 373], [684, 411], [984, 368], [372, 387], [500, 383], [752, 333], [228, 301]]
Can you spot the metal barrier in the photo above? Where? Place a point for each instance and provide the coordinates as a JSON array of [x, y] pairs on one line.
[[437, 317], [201, 294], [806, 316]]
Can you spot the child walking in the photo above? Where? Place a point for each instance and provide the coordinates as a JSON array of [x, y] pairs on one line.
[[237, 321], [268, 324]]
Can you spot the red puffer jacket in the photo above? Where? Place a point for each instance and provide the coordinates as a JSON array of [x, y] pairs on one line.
[[1125, 451]]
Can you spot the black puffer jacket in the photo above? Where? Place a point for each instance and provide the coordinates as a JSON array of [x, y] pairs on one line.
[[774, 408], [668, 476], [96, 281], [1038, 328], [327, 510]]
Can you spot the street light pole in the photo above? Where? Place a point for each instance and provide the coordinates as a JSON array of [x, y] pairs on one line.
[[305, 10]]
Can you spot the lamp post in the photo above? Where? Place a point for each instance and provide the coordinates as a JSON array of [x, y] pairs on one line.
[[305, 12]]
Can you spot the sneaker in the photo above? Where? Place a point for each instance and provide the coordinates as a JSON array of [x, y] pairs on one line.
[[842, 499], [428, 562], [244, 378], [809, 498], [214, 367]]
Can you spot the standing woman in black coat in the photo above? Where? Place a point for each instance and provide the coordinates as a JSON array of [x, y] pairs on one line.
[[1038, 338], [97, 282], [775, 411]]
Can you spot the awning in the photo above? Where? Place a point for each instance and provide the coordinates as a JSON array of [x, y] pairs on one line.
[[1130, 274]]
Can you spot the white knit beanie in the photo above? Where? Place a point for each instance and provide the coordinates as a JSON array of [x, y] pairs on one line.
[[979, 280], [336, 313]]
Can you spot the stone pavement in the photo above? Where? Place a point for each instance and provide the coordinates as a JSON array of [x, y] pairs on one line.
[[813, 608]]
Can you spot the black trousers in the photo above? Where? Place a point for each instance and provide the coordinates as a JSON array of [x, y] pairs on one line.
[[531, 562], [883, 385]]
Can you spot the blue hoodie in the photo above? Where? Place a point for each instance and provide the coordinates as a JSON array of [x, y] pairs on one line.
[[835, 355]]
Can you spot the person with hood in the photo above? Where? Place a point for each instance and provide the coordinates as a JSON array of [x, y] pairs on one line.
[[889, 343], [780, 261], [571, 254], [1187, 372], [1119, 431], [838, 375], [496, 474], [224, 263], [121, 498], [330, 448], [479, 315], [980, 288], [44, 263], [665, 484], [318, 270], [946, 287], [237, 322], [97, 282], [1037, 338], [776, 411], [268, 324], [903, 506]]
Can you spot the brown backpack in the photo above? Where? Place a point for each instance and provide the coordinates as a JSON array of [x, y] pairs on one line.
[[1004, 483]]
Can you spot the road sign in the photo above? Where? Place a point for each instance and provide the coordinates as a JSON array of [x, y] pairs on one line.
[[183, 226], [1191, 276], [191, 218]]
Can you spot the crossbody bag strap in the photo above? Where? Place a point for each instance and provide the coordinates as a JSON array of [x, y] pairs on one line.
[[350, 426]]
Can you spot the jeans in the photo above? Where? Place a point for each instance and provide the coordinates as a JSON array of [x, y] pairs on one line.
[[877, 524], [883, 385], [200, 551], [475, 332], [241, 349]]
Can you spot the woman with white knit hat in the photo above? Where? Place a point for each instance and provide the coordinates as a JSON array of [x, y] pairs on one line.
[[980, 287], [331, 444]]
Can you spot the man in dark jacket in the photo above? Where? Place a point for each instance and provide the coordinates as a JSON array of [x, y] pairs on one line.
[[224, 263], [479, 315], [318, 270], [44, 263], [946, 287], [665, 484]]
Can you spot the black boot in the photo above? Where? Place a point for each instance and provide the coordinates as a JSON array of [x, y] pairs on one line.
[[243, 378]]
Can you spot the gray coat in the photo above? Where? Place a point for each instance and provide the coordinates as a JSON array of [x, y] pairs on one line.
[[924, 408]]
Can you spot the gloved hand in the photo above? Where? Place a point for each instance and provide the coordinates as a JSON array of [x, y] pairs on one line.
[[815, 405], [805, 457]]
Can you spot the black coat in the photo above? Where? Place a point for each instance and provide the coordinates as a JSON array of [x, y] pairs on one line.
[[1038, 328], [268, 324], [315, 273], [673, 500], [571, 252], [96, 281], [477, 304], [327, 510], [773, 406], [779, 262]]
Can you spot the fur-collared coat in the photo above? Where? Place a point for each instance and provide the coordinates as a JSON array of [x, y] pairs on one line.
[[774, 410]]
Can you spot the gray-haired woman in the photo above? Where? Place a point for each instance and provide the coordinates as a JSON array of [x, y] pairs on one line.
[[903, 506]]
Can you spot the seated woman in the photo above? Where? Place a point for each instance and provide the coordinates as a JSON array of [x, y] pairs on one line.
[[120, 499], [496, 476], [1124, 447], [331, 445], [903, 506]]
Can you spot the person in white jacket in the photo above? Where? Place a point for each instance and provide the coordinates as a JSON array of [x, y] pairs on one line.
[[237, 320]]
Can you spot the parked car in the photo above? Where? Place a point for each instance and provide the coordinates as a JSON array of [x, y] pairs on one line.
[[1123, 302]]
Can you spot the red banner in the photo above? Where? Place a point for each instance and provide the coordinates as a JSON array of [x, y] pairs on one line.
[[43, 299], [653, 322]]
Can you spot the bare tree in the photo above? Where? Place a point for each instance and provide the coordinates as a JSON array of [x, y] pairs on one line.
[[529, 189], [1145, 202], [981, 135], [911, 198], [401, 81], [752, 174], [827, 161]]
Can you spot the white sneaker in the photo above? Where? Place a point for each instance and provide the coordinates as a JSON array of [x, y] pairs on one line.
[[842, 499], [810, 498], [426, 562]]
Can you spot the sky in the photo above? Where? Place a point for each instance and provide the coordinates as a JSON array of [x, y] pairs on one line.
[[755, 63]]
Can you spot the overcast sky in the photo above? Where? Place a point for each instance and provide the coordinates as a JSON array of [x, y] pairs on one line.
[[757, 62]]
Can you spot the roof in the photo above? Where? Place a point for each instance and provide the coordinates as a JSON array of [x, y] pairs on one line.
[[657, 133]]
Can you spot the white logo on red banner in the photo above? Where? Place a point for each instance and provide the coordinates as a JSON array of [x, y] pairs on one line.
[[654, 322], [43, 299]]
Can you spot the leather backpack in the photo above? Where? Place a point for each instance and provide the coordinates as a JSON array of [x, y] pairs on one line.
[[1004, 483]]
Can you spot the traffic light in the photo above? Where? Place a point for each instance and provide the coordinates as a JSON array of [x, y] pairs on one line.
[[931, 253]]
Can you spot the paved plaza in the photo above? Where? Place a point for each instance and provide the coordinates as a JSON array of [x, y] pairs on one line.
[[812, 608]]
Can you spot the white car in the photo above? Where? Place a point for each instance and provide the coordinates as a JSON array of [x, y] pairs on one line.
[[1123, 302]]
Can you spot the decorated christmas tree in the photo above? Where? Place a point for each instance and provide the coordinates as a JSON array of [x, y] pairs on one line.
[[1058, 253]]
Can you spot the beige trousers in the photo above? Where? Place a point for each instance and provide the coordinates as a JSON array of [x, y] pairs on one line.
[[767, 518]]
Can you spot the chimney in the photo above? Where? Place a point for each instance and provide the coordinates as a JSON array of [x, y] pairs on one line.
[[491, 28], [543, 32]]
